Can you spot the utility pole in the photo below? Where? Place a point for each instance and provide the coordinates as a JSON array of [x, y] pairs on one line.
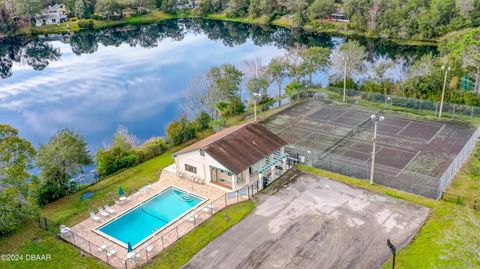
[[345, 79], [443, 90], [376, 119]]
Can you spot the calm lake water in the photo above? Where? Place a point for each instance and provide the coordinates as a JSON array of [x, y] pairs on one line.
[[135, 76]]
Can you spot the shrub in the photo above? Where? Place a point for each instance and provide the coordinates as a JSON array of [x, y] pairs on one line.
[[87, 24], [96, 17], [293, 89], [202, 121], [231, 108], [114, 159], [265, 103], [14, 211], [48, 192], [180, 131], [338, 83], [152, 148]]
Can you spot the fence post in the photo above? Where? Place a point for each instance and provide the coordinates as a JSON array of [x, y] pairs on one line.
[[126, 266], [163, 247], [89, 247], [106, 255], [73, 238], [176, 230], [46, 224], [225, 195]]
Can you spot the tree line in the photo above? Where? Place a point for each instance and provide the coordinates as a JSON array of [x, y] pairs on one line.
[[417, 20]]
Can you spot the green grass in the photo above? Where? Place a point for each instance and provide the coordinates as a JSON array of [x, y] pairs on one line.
[[426, 248], [184, 249], [249, 20], [37, 241]]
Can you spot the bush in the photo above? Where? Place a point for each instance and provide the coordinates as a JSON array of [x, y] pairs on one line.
[[152, 148], [202, 121], [96, 17], [87, 24], [338, 83], [180, 131], [231, 108], [293, 89], [265, 103], [14, 211], [115, 159], [48, 192]]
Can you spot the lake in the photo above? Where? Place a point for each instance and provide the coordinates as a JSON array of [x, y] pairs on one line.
[[134, 76]]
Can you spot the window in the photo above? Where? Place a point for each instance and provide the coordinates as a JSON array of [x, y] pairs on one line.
[[202, 153], [191, 169]]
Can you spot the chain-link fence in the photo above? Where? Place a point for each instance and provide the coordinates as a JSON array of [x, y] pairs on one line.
[[396, 103], [401, 179]]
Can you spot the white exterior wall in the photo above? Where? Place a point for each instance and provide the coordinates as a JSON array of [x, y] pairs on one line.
[[202, 163]]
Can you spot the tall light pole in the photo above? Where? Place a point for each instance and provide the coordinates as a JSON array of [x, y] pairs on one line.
[[388, 99], [255, 95], [345, 59], [443, 90], [376, 119]]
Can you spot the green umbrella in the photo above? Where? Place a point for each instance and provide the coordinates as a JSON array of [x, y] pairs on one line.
[[130, 249], [121, 192]]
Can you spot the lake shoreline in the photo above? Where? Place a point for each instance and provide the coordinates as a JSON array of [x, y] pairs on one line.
[[159, 16]]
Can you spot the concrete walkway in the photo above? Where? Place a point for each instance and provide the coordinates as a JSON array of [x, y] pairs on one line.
[[316, 223]]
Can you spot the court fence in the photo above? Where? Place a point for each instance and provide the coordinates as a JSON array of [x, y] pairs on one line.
[[424, 185], [395, 103], [459, 160]]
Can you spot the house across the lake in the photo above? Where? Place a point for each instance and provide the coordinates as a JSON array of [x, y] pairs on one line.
[[234, 157], [52, 15]]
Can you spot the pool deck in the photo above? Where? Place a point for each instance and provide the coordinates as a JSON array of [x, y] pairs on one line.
[[86, 239]]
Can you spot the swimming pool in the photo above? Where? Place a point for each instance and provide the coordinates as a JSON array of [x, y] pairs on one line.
[[150, 217]]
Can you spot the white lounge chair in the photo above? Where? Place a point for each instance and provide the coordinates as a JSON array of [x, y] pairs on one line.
[[103, 212], [193, 218], [95, 217], [209, 208], [111, 252], [109, 209], [102, 248]]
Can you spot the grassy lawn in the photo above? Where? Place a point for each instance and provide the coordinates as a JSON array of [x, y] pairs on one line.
[[184, 249], [426, 248]]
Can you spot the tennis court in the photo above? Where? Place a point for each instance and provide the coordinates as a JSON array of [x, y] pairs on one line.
[[412, 154]]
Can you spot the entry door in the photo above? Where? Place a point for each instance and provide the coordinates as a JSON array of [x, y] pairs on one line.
[[214, 174]]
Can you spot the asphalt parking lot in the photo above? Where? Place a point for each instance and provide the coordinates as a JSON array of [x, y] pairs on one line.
[[314, 222]]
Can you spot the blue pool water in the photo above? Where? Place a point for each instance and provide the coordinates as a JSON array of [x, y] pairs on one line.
[[147, 218]]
